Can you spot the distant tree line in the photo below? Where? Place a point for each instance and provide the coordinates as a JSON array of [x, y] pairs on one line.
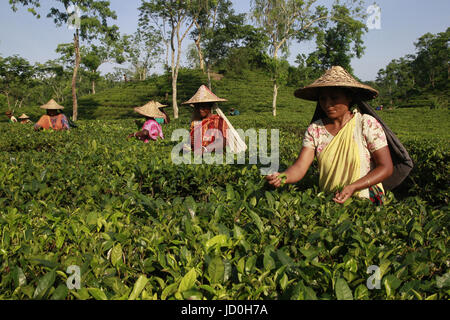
[[223, 42], [415, 75]]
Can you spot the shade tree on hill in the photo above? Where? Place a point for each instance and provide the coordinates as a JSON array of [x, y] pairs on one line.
[[89, 19], [16, 76], [178, 17], [424, 74], [287, 20]]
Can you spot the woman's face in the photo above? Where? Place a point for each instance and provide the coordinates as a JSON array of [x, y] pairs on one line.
[[204, 110], [334, 102], [52, 113]]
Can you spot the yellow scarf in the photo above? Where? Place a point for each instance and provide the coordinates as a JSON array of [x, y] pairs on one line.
[[339, 163]]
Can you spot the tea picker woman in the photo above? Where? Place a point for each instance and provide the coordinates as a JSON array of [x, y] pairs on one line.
[[151, 130], [165, 119], [162, 119], [211, 132], [54, 119], [354, 148], [24, 119], [10, 116]]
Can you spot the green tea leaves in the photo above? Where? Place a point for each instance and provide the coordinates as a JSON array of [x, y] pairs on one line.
[[116, 254], [342, 290], [138, 287], [188, 281], [44, 284]]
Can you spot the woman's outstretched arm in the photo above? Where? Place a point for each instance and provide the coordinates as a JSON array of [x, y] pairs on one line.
[[297, 171]]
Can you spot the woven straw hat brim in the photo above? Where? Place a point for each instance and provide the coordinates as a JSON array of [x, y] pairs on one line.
[[160, 106], [150, 110], [52, 105], [336, 77], [24, 116], [204, 95]]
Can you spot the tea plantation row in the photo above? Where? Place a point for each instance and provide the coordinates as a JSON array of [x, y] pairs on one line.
[[140, 227]]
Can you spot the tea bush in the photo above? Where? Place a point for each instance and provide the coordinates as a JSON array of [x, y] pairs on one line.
[[140, 227]]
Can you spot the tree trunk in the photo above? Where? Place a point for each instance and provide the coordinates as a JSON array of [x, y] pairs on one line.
[[209, 77], [75, 73], [200, 54], [93, 86], [174, 76], [390, 95], [7, 100], [167, 53], [275, 86], [275, 95], [175, 80], [174, 96]]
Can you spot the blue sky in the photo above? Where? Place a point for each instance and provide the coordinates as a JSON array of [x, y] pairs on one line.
[[402, 23]]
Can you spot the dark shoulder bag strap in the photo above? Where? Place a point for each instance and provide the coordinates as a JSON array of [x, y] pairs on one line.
[[403, 163]]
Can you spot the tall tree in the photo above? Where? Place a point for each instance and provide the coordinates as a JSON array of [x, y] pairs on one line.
[[143, 49], [54, 76], [218, 29], [16, 78], [180, 17], [433, 58], [396, 80], [339, 43], [94, 56], [89, 19], [285, 20]]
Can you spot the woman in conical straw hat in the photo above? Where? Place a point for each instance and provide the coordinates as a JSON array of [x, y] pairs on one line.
[[151, 130], [166, 118], [11, 117], [162, 119], [205, 126], [54, 119], [24, 119], [351, 147]]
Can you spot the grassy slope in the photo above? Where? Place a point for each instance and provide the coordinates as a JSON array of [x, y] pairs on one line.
[[251, 93]]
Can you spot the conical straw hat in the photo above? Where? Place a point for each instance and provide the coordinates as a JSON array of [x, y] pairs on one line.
[[52, 105], [204, 95], [150, 110], [24, 116], [160, 106], [336, 77]]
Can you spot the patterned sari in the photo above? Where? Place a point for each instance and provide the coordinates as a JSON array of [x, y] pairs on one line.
[[154, 130], [58, 122], [203, 132], [344, 158]]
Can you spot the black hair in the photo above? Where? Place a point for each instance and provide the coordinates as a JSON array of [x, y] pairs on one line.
[[209, 105], [350, 93]]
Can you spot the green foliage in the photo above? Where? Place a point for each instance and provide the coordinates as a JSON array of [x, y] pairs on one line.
[[420, 79], [16, 79], [91, 198], [3, 102], [430, 177], [286, 20], [339, 43]]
